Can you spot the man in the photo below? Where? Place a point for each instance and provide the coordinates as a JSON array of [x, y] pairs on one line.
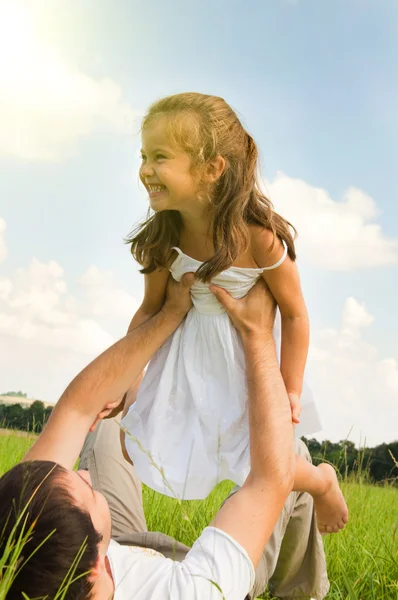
[[70, 519]]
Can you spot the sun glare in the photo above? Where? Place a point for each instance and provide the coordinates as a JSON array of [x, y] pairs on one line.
[[16, 36]]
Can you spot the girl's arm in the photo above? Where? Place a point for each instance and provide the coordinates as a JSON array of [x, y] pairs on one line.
[[154, 296], [284, 284]]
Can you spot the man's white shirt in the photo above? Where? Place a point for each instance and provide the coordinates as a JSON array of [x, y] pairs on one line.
[[216, 567]]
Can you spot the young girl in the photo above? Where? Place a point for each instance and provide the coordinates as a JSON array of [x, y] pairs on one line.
[[199, 166]]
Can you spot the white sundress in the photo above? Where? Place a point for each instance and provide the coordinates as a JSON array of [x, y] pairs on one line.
[[188, 428]]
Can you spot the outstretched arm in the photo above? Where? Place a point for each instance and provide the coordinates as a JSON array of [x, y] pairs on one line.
[[250, 515], [106, 379]]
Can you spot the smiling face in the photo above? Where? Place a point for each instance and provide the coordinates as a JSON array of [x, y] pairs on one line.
[[166, 170]]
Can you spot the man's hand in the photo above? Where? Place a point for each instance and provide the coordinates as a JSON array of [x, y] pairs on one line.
[[253, 314], [178, 297]]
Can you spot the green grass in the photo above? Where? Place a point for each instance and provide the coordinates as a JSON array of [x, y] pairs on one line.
[[13, 446], [362, 559]]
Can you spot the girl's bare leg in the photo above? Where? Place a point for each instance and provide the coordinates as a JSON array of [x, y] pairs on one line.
[[322, 483]]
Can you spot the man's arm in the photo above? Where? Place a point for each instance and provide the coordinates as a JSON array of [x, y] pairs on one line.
[[106, 379], [250, 515]]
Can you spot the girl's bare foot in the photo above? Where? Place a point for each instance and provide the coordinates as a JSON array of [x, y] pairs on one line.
[[330, 507]]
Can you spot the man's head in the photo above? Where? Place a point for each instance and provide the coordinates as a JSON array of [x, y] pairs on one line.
[[68, 519]]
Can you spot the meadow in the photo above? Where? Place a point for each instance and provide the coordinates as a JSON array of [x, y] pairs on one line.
[[362, 559]]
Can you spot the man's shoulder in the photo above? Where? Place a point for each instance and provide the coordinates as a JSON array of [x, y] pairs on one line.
[[214, 558]]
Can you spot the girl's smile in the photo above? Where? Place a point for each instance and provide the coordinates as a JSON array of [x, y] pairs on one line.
[[155, 191], [166, 171]]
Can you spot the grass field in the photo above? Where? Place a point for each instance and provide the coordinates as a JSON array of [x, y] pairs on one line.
[[362, 560]]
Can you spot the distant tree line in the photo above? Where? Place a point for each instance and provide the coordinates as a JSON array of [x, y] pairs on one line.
[[380, 463], [30, 418]]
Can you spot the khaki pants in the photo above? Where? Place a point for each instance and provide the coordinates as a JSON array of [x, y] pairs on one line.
[[293, 564]]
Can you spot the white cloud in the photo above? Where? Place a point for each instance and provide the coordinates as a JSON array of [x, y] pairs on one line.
[[103, 295], [3, 248], [47, 334], [335, 235], [356, 389], [355, 316], [35, 305], [46, 104]]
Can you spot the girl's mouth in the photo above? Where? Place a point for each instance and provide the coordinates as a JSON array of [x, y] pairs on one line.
[[155, 190]]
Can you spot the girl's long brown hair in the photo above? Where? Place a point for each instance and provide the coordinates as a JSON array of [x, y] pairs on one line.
[[207, 127]]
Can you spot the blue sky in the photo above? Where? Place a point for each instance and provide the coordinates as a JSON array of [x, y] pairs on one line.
[[316, 85]]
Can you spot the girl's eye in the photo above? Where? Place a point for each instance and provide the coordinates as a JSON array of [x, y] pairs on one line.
[[157, 157]]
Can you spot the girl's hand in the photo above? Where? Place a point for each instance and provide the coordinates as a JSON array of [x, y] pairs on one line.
[[111, 410], [295, 406]]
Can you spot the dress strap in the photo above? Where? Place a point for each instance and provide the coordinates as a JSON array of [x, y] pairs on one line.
[[180, 252], [280, 261]]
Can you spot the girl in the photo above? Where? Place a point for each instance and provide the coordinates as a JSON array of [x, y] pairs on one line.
[[189, 425]]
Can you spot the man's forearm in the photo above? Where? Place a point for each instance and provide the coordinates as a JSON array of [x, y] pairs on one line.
[[269, 412], [250, 515], [139, 319], [102, 381]]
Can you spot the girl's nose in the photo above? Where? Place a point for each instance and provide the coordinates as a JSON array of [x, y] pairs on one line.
[[146, 170]]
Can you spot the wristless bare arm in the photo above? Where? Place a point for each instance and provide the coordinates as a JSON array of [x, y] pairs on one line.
[[154, 296], [251, 514]]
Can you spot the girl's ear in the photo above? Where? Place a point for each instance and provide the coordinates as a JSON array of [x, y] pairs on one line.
[[215, 168]]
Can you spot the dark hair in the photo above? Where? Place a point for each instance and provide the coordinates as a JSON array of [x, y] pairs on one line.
[[35, 495], [206, 127]]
